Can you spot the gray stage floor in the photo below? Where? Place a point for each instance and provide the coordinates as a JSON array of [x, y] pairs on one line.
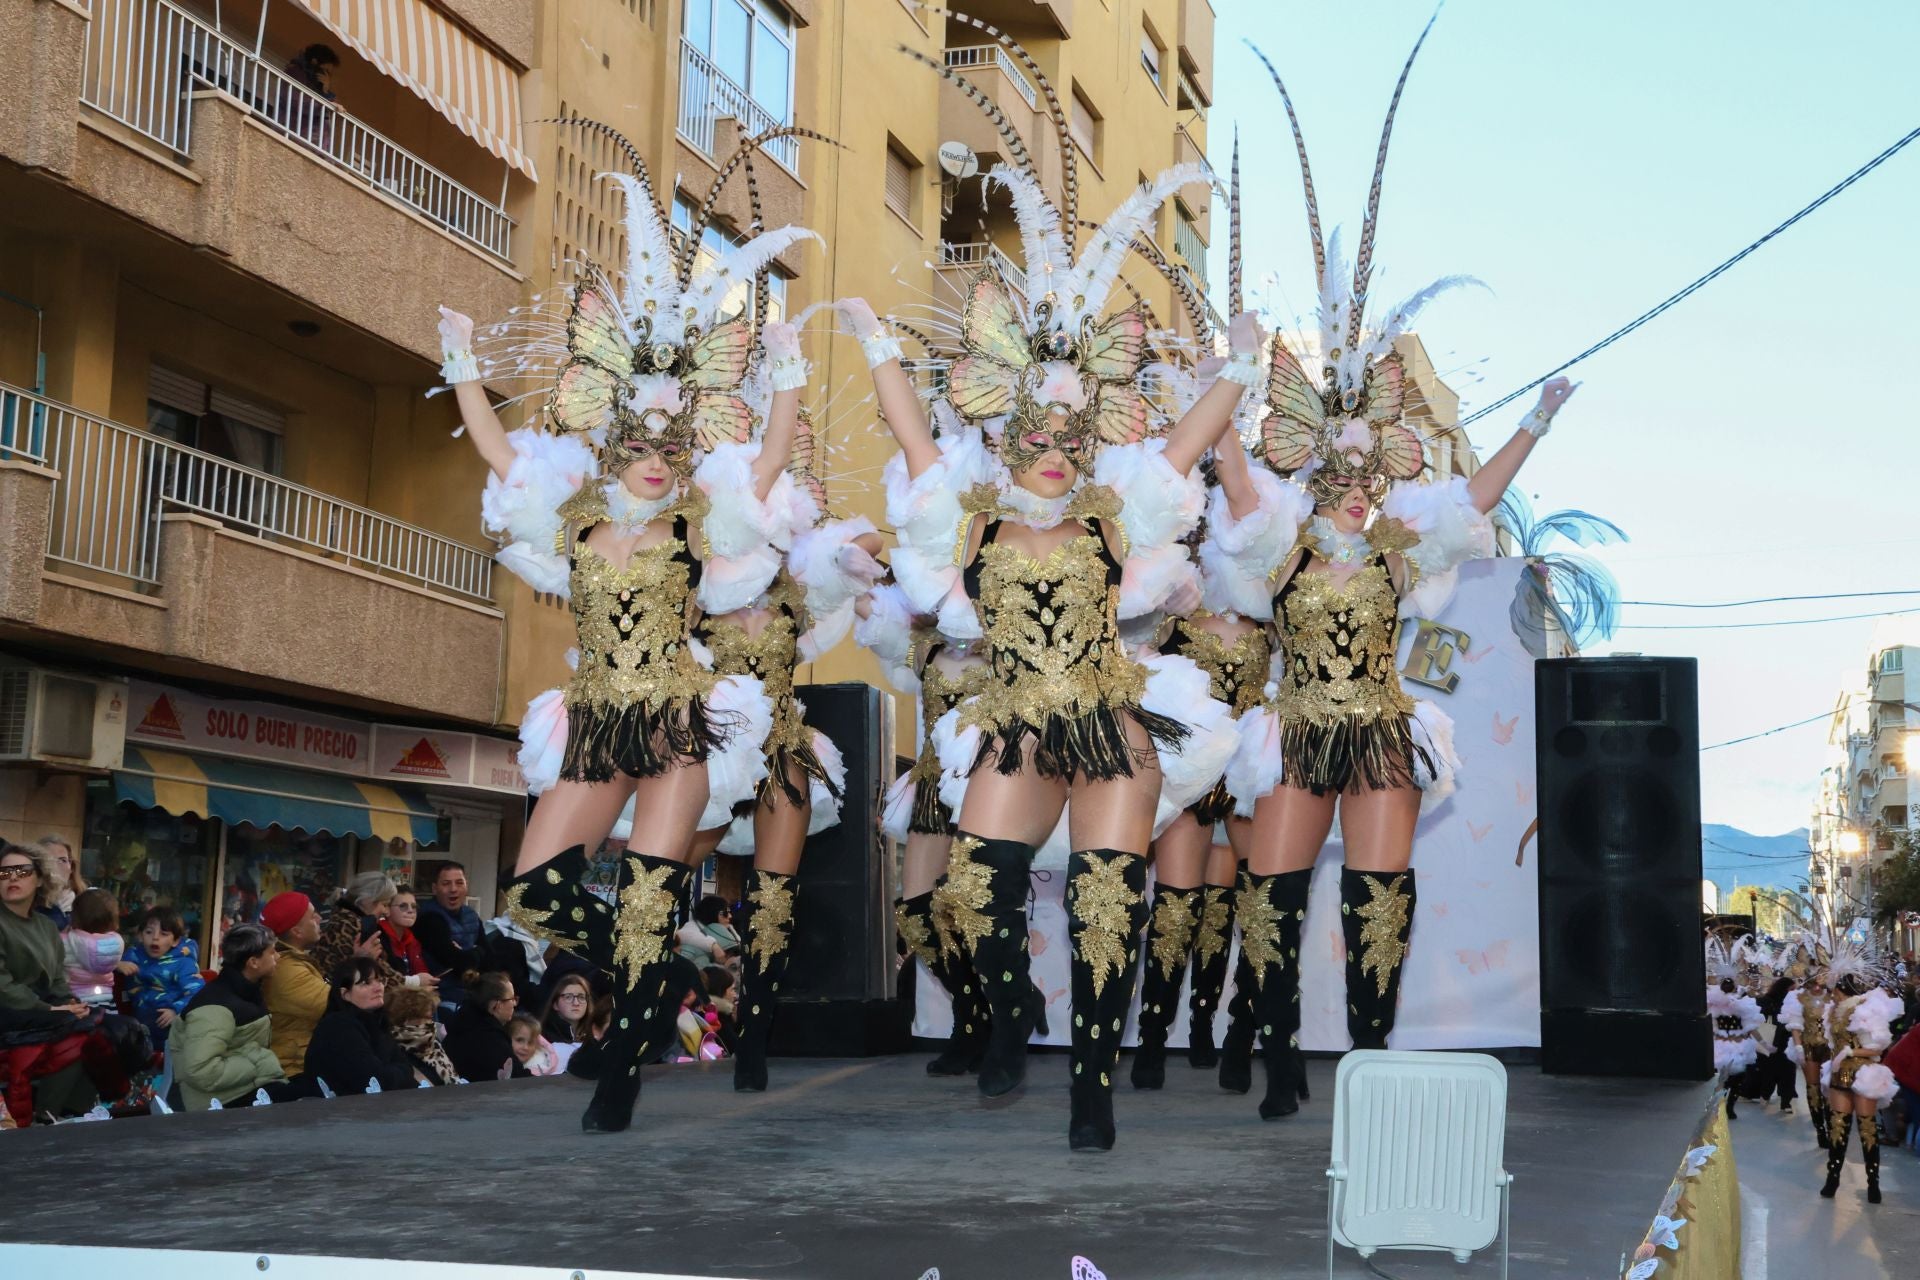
[[845, 1170]]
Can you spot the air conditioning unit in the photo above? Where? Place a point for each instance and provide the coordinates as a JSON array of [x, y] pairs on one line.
[[53, 717]]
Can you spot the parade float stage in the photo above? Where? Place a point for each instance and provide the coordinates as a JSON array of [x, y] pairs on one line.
[[844, 1170]]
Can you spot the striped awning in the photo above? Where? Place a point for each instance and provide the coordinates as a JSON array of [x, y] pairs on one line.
[[425, 51], [266, 796]]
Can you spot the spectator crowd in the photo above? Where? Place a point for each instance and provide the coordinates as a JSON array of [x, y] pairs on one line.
[[382, 989]]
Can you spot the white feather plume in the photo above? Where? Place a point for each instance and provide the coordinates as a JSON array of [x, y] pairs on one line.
[[1400, 319], [1042, 241], [1086, 289], [650, 260], [709, 288]]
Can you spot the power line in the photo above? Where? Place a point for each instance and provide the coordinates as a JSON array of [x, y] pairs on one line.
[[1741, 604], [1700, 283], [1748, 626], [1767, 733]]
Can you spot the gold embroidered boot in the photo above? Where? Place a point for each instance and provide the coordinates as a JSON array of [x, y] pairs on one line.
[[1170, 931], [1870, 1155], [651, 892], [1106, 909], [1273, 910], [982, 900], [931, 941], [763, 967], [552, 903], [1841, 1131], [1211, 943], [1376, 914]]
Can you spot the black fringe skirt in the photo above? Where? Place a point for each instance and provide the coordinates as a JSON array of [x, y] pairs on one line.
[[1093, 745], [1377, 753], [639, 740], [783, 763], [931, 816], [1214, 807]]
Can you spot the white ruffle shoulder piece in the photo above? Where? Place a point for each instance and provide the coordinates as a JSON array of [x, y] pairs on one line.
[[522, 508], [927, 519], [1792, 1014], [1240, 555], [1158, 505], [747, 537], [887, 633], [1451, 531], [825, 807], [835, 572], [1178, 689], [1872, 1020], [896, 813], [1151, 580], [956, 748]]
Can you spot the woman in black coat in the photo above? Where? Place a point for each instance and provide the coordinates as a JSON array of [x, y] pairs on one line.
[[351, 1045], [477, 1039]]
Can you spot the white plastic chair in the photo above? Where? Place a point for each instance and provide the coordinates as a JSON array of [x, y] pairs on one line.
[[1418, 1144]]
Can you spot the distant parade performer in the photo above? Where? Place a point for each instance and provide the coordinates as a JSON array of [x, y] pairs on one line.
[[644, 504], [1859, 1021]]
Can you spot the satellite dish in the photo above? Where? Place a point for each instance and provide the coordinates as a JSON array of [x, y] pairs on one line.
[[958, 160]]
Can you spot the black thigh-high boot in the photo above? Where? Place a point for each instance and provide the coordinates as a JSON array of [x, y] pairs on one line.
[[1841, 1130], [1376, 914], [1272, 912], [1822, 1116], [1211, 943], [1236, 1047], [1170, 932], [552, 903], [651, 890], [948, 964], [1106, 909], [983, 900], [1870, 1155], [763, 967]]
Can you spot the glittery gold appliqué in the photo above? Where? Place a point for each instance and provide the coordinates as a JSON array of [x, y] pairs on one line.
[[916, 933], [1340, 643], [535, 922], [1259, 928], [631, 623], [1101, 904], [1236, 670], [960, 903], [1171, 933], [1216, 917], [1383, 936], [769, 657], [772, 919], [641, 924]]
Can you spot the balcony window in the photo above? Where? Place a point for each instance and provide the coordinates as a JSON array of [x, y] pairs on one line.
[[187, 411], [751, 44], [901, 175], [1891, 660], [1085, 124], [1152, 58]]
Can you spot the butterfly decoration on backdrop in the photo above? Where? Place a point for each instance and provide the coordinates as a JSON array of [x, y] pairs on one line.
[[1481, 962]]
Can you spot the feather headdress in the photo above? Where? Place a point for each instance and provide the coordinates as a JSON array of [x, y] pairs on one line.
[[1029, 353], [648, 356], [1344, 424]]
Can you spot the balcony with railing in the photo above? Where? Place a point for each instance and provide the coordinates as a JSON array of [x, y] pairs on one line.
[[148, 545], [992, 71], [708, 95], [975, 58], [1192, 250]]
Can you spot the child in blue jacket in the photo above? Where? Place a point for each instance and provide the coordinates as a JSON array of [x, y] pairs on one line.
[[166, 971]]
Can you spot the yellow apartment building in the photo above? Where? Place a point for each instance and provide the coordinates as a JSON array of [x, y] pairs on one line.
[[251, 635]]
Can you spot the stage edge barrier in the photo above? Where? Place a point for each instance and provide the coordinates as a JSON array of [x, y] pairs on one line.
[[1696, 1233], [192, 1264]]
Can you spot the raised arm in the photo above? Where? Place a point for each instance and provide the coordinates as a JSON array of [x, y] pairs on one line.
[[899, 405], [1230, 469], [1497, 472], [1201, 425], [462, 373], [790, 376]]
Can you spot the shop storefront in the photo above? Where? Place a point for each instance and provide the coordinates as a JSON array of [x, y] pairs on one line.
[[219, 803]]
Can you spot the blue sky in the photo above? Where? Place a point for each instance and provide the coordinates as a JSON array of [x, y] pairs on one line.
[[1586, 161]]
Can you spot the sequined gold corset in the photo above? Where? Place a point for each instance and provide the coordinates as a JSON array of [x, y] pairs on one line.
[[1849, 1055], [1236, 670], [631, 623], [1052, 636], [939, 694], [1340, 643], [769, 657], [1813, 1018]]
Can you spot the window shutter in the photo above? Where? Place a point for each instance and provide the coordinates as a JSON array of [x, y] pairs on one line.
[[235, 409], [899, 184], [176, 390]]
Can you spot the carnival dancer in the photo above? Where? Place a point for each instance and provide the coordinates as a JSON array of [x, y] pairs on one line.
[[1039, 549], [1735, 1016], [617, 508], [1333, 553], [1804, 1014], [827, 566], [1859, 1030]]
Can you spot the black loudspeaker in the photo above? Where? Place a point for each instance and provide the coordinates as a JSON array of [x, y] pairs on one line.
[[1622, 973], [838, 999]]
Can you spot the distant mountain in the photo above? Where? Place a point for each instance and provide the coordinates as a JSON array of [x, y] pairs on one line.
[[1730, 856]]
